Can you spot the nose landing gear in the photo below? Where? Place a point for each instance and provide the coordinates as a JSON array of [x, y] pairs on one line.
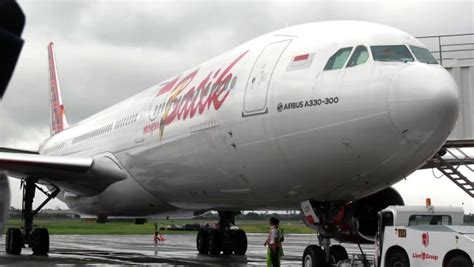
[[222, 238], [36, 238], [323, 255]]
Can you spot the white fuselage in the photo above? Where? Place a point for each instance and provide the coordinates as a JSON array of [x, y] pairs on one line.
[[264, 126]]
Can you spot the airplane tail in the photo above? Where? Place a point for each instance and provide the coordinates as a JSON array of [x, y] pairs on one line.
[[58, 117]]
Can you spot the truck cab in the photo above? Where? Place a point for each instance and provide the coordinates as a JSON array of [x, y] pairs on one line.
[[423, 236]]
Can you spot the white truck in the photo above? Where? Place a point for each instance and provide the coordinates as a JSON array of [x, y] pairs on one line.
[[423, 236]]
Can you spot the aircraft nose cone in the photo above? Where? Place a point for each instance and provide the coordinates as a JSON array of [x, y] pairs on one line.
[[423, 103]]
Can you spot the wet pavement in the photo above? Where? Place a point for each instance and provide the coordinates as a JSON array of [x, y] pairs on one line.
[[177, 250]]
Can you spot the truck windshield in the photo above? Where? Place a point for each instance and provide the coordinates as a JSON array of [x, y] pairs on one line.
[[430, 220], [423, 55], [398, 53]]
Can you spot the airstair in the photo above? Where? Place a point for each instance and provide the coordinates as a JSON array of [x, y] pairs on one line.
[[450, 167]]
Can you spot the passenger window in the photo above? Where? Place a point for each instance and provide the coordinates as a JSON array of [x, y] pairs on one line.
[[338, 60], [360, 56]]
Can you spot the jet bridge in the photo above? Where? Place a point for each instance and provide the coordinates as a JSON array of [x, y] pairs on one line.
[[456, 53]]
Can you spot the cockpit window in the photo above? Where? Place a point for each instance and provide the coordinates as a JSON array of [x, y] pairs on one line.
[[423, 55], [360, 56], [391, 53], [338, 60]]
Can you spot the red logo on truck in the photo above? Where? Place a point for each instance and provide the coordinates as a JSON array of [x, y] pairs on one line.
[[425, 239], [424, 256]]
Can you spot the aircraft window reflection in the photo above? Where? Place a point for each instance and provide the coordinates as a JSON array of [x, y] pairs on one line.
[[391, 53], [338, 60], [423, 55], [360, 56]]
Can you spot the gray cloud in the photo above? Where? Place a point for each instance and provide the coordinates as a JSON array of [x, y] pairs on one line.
[[108, 51]]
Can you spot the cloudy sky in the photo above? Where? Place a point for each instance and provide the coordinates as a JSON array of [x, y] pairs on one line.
[[110, 50]]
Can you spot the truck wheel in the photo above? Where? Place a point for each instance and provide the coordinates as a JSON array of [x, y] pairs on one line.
[[314, 256], [338, 253], [397, 258], [459, 261]]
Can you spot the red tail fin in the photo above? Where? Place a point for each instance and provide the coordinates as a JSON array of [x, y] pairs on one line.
[[58, 117]]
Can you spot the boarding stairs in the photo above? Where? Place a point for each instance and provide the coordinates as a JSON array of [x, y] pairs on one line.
[[450, 163], [455, 52]]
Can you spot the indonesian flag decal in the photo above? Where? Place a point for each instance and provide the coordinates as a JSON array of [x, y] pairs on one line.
[[300, 61]]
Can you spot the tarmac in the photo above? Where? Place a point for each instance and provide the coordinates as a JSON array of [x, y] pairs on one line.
[[177, 250]]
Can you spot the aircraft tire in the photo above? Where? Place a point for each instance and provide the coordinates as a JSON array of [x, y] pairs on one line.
[[202, 241], [338, 253], [314, 256], [239, 240], [227, 242], [215, 242], [40, 241], [13, 241]]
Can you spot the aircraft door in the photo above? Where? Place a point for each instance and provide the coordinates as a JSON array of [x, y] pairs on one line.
[[148, 123], [140, 121], [140, 134], [256, 91]]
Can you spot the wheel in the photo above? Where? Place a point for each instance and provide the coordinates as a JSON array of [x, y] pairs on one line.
[[227, 249], [239, 240], [338, 253], [227, 242], [314, 256], [40, 241], [215, 242], [202, 241], [459, 261], [13, 241], [397, 258]]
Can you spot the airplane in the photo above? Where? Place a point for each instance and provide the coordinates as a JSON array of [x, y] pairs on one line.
[[326, 116]]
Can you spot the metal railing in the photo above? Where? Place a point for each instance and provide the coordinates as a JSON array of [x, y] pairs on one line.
[[449, 46]]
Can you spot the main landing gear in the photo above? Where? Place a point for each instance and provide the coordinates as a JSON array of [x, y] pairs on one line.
[[36, 238], [222, 238]]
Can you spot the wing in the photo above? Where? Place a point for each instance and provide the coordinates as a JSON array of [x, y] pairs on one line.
[[83, 176], [11, 150]]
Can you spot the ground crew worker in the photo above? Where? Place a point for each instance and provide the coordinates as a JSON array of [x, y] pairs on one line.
[[158, 237], [274, 250]]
